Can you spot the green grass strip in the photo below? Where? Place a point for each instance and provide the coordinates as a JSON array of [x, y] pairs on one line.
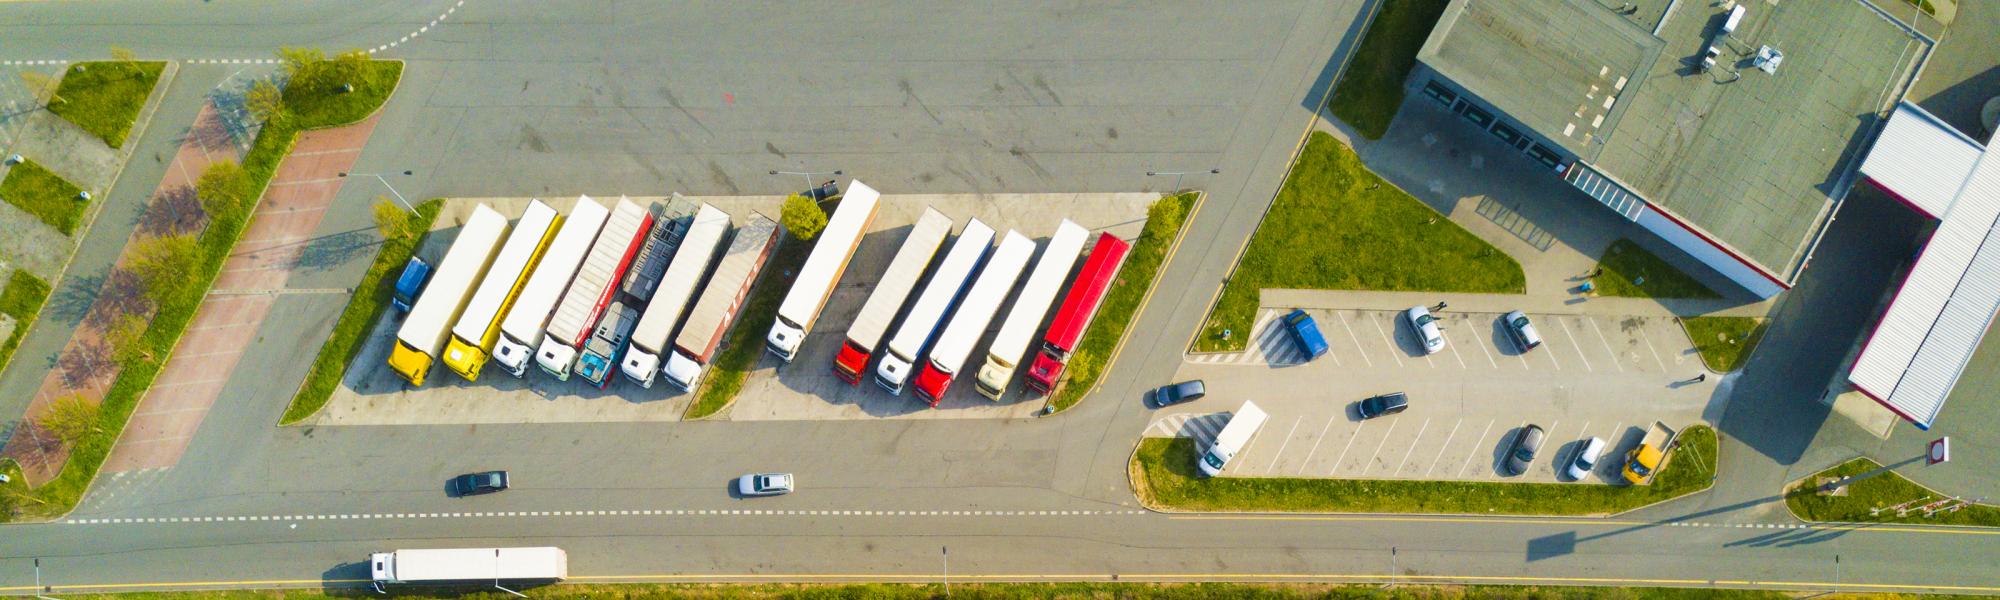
[[104, 97], [1630, 271], [40, 192], [745, 344], [1724, 342], [1164, 476], [371, 297], [1881, 491], [22, 299], [1024, 591], [1371, 90], [1335, 225], [1164, 220]]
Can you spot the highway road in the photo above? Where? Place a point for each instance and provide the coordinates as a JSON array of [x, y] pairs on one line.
[[506, 98]]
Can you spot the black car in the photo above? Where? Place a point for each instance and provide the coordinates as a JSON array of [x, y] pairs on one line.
[[473, 484], [1523, 450], [1385, 404], [1186, 391]]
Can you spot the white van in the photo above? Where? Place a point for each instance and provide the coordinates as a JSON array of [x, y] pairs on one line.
[[1233, 438]]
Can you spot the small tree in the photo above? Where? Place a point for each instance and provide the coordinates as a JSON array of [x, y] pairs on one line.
[[71, 419], [392, 221], [223, 187], [802, 217], [123, 54], [126, 335], [162, 262], [301, 65], [265, 101], [43, 86]]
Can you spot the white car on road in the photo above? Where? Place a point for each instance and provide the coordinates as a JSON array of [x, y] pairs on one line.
[[764, 484], [1426, 328]]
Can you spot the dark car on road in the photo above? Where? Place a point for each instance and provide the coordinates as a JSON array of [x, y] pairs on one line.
[[1523, 451], [1186, 391], [473, 484], [1385, 404]]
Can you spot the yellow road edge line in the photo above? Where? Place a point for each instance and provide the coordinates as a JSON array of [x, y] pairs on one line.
[[1394, 519]]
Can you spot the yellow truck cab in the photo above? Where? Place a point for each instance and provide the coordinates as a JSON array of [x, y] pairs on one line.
[[1646, 459]]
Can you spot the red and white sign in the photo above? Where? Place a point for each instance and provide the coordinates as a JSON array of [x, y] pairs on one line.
[[1940, 451]]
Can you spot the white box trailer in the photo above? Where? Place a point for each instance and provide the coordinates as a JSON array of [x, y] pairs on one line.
[[595, 284], [421, 339], [478, 329], [522, 330], [974, 314], [1030, 308], [677, 287], [822, 270], [716, 310], [937, 298], [447, 565], [905, 270], [1234, 436]]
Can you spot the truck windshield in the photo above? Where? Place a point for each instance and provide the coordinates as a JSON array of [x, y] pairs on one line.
[[1641, 469], [1214, 462]]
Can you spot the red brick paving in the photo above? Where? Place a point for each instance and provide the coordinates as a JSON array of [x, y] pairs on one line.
[[225, 325]]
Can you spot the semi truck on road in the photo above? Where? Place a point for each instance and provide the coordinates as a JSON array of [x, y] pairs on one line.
[[905, 270], [937, 299], [545, 564], [421, 339], [967, 325], [478, 329], [677, 287], [822, 269], [596, 282], [709, 320], [522, 331], [1030, 308], [1086, 293]]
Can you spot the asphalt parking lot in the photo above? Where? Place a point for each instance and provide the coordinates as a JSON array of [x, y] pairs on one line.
[[1594, 376]]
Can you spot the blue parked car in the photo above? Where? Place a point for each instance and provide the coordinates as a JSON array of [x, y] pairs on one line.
[[410, 283], [1305, 333]]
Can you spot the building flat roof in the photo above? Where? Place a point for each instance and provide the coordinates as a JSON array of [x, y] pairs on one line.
[[1754, 160]]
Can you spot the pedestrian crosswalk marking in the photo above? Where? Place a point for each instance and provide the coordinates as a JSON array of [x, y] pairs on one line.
[[1201, 427], [1268, 346]]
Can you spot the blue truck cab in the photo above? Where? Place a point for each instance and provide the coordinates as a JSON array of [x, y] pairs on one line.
[[410, 283], [1305, 333]]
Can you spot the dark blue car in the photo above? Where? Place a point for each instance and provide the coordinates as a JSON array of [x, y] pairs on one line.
[[1305, 333], [410, 283]]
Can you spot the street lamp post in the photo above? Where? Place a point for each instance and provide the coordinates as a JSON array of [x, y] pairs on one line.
[[1178, 175], [385, 182], [38, 582], [808, 175], [946, 552]]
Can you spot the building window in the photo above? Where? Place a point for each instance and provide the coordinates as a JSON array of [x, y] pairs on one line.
[[1507, 134], [1545, 156], [1478, 116], [1439, 93]]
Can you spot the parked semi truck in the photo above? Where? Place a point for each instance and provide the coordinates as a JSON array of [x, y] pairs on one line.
[[905, 270], [421, 339], [478, 329], [522, 331], [951, 278], [683, 278], [1086, 293], [712, 314], [596, 281], [545, 564], [600, 353], [969, 323], [1030, 308], [822, 269], [651, 264], [1645, 460]]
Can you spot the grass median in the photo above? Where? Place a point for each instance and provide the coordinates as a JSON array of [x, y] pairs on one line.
[[1164, 220], [21, 300], [1371, 90], [1629, 271], [1724, 342], [1164, 477], [104, 98], [1337, 226], [745, 344], [1081, 590], [38, 191], [370, 301], [226, 222], [1884, 491]]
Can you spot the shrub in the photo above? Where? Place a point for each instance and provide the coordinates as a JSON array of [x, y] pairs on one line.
[[802, 217]]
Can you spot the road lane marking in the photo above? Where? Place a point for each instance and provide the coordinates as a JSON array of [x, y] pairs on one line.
[[1413, 447], [1616, 361], [1453, 347], [1551, 353], [1315, 449], [1281, 447], [1574, 345], [1357, 340], [1482, 346], [1370, 463], [1475, 449], [1394, 352], [1649, 348], [1344, 449], [1443, 447]]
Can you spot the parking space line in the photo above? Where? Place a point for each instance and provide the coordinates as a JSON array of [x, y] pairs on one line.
[[1394, 352], [1443, 447], [1585, 431], [1413, 447], [1649, 348], [1322, 437], [1344, 449], [1365, 465], [1614, 433], [1482, 348], [1452, 346], [1552, 357], [1616, 361], [1357, 340], [1281, 447], [1574, 345], [1475, 449]]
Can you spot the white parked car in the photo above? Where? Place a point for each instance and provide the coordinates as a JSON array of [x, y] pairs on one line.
[[764, 484], [1426, 328], [1585, 460]]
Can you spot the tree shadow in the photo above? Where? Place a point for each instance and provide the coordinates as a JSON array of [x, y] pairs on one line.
[[334, 250]]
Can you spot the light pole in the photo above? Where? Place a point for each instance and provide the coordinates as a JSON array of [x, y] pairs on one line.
[[1178, 175], [946, 552], [808, 175], [385, 182], [38, 581]]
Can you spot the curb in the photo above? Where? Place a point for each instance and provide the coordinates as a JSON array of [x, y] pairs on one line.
[[1793, 484], [1200, 199]]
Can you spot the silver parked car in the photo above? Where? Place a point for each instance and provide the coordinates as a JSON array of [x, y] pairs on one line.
[[1585, 460], [1426, 328], [764, 484], [1523, 451], [1522, 330]]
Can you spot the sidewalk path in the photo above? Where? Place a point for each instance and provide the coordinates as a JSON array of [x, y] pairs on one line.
[[226, 324], [1533, 304], [84, 366]]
